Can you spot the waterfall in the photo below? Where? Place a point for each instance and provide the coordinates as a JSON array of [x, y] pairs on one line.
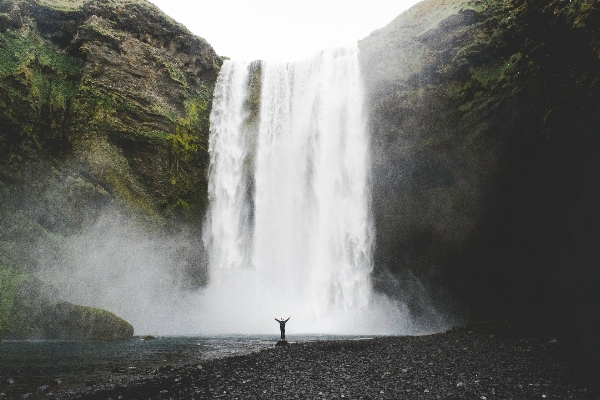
[[228, 225], [289, 228]]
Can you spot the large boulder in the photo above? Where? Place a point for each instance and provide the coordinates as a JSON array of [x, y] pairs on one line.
[[30, 309]]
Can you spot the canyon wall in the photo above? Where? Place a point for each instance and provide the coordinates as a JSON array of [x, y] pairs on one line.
[[485, 131], [104, 109]]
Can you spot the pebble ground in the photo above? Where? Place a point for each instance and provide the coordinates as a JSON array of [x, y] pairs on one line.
[[459, 364]]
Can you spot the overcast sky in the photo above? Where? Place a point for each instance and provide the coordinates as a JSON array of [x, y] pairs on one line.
[[282, 30]]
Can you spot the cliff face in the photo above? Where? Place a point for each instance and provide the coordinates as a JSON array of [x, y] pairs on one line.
[[104, 105], [484, 119], [116, 89]]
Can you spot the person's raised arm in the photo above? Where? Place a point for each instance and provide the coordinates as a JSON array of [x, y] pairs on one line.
[[288, 318]]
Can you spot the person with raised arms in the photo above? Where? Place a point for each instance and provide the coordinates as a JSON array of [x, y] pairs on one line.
[[282, 322]]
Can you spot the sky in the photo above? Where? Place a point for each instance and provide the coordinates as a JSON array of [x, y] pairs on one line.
[[282, 30]]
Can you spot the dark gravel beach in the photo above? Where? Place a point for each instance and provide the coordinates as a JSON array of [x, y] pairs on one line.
[[460, 364]]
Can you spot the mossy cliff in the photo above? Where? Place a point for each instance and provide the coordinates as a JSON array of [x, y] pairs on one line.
[[103, 105], [485, 129], [117, 89]]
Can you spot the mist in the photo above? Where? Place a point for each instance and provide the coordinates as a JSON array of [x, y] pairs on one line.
[[119, 265]]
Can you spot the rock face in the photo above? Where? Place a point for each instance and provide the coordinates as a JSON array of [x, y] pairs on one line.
[[116, 89], [104, 105], [485, 126]]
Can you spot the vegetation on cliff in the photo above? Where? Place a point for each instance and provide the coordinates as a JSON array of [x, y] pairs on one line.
[[105, 85], [104, 105], [484, 117]]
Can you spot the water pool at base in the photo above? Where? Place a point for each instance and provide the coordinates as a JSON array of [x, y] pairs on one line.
[[135, 353]]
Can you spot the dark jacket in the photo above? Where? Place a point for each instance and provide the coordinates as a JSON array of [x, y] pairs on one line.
[[282, 323]]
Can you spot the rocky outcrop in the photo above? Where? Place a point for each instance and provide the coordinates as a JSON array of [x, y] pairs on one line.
[[104, 105], [30, 309], [484, 119]]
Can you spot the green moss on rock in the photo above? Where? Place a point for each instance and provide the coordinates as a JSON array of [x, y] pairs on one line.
[[73, 322], [9, 282], [73, 83], [30, 309], [104, 105], [37, 85]]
